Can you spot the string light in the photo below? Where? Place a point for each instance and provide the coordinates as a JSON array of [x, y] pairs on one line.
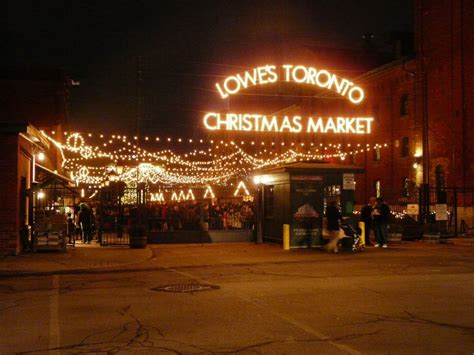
[[217, 164]]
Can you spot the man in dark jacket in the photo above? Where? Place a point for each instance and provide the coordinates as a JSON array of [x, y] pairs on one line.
[[85, 220], [381, 217], [366, 217]]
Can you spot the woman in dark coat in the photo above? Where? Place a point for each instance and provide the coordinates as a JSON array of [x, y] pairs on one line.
[[333, 216]]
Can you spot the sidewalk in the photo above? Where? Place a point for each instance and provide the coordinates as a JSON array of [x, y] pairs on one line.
[[464, 241], [81, 257], [92, 258]]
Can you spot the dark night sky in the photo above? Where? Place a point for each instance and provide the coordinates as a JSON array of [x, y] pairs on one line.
[[97, 43]]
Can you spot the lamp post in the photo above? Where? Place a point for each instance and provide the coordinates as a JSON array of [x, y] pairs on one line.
[[259, 208]]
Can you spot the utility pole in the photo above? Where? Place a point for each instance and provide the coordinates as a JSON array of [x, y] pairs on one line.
[[422, 81], [139, 74], [137, 143]]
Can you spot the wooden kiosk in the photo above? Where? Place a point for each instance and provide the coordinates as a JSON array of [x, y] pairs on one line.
[[297, 194]]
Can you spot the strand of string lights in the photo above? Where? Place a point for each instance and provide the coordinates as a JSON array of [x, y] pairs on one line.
[[221, 161]]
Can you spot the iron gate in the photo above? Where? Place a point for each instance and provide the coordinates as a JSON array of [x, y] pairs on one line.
[[119, 209]]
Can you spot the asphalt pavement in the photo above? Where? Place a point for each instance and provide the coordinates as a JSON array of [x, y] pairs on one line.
[[412, 298]]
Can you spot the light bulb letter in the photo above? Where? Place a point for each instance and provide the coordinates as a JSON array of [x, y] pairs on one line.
[[222, 93], [287, 68], [207, 122]]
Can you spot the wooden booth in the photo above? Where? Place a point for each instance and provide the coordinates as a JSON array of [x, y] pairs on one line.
[[297, 194]]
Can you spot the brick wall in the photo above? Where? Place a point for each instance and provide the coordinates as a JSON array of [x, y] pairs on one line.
[[9, 224], [445, 53]]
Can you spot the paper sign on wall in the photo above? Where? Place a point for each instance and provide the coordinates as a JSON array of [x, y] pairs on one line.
[[413, 209], [348, 181], [441, 212]]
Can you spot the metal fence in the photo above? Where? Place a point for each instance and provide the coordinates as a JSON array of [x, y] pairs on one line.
[[115, 217], [187, 221], [458, 203]]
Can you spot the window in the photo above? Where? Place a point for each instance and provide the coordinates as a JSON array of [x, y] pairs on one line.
[[404, 147], [332, 193], [376, 154], [440, 176], [378, 188], [405, 187], [404, 105], [441, 196]]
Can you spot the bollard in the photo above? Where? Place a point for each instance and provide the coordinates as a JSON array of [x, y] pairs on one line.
[[362, 231], [286, 237]]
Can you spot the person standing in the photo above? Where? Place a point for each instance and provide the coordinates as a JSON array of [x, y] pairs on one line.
[[333, 216], [85, 221], [366, 217], [381, 217], [71, 229]]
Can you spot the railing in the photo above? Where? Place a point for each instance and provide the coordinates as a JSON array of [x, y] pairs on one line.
[[176, 222]]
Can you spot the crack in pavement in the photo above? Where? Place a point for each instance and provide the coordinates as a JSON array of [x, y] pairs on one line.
[[408, 318], [371, 290], [267, 273], [289, 341], [132, 336]]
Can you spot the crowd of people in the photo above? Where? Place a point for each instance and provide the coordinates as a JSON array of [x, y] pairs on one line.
[[200, 216], [87, 220]]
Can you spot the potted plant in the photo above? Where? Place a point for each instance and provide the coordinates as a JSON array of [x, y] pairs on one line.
[[137, 236], [395, 232]]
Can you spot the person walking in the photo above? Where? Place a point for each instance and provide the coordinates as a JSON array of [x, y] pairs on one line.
[[366, 217], [333, 216], [381, 217]]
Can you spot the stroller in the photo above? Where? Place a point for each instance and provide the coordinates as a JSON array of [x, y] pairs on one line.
[[352, 241]]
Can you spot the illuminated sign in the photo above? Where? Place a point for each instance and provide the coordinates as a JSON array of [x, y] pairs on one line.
[[301, 74], [294, 124]]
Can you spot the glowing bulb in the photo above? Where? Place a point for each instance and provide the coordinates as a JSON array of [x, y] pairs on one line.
[[41, 156]]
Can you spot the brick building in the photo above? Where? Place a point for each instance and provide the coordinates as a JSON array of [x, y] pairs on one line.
[[30, 101], [423, 107]]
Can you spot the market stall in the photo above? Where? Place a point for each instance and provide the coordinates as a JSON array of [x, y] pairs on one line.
[[53, 199]]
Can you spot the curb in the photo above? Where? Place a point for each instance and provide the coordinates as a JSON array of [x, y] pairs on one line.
[[77, 270]]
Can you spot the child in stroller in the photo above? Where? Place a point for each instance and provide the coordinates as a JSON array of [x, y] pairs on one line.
[[352, 240]]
